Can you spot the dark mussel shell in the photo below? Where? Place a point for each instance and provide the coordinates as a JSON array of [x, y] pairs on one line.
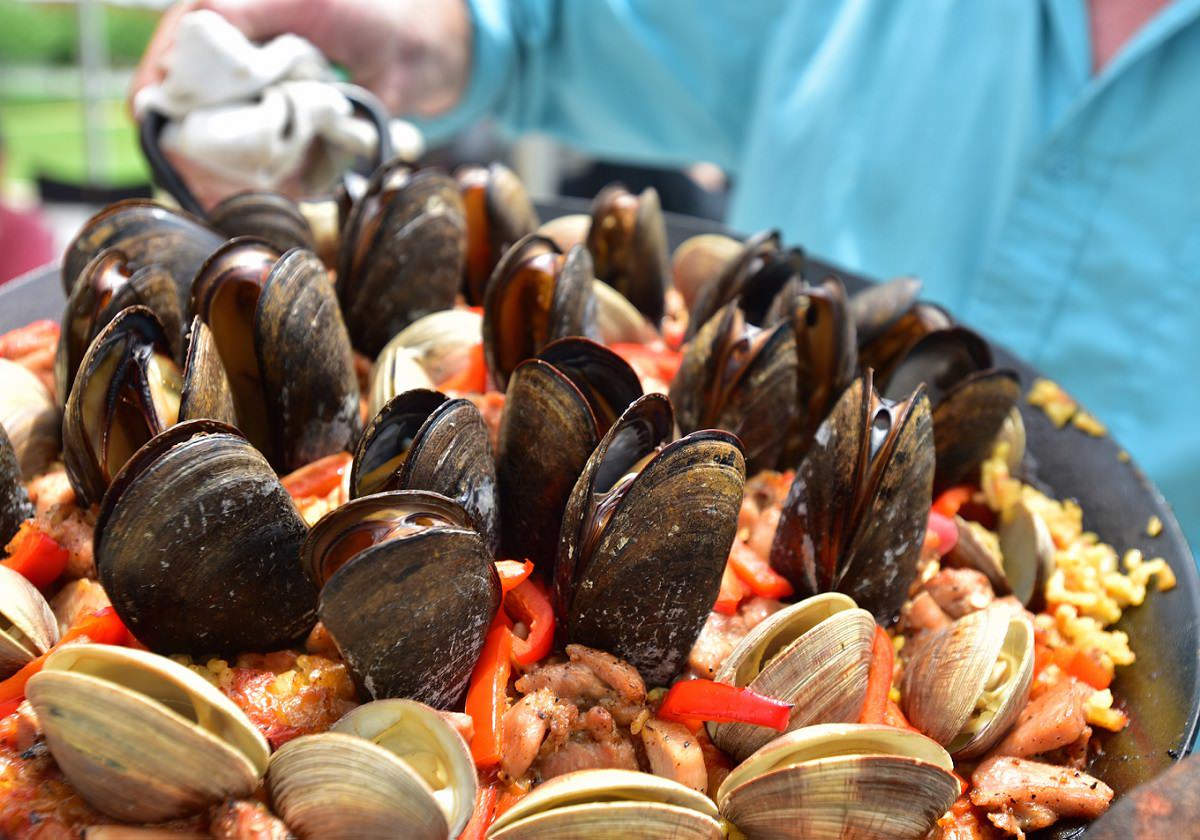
[[14, 501], [196, 544], [498, 213], [741, 378], [970, 397], [126, 392], [402, 253], [423, 440], [879, 306], [265, 215], [206, 391], [147, 233], [883, 352], [755, 278], [628, 243], [558, 406], [645, 538], [105, 286], [407, 591], [855, 515], [535, 295], [281, 338]]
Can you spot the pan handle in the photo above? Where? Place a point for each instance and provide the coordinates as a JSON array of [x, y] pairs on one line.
[[167, 177]]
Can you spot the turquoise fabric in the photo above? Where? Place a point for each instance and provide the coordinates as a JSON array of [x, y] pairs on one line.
[[965, 142]]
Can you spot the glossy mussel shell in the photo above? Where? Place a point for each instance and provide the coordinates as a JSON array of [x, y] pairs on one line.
[[390, 768], [196, 545], [648, 523], [423, 440], [143, 738], [265, 215], [498, 213], [628, 243], [408, 590], [28, 627], [755, 278], [14, 501], [814, 654]]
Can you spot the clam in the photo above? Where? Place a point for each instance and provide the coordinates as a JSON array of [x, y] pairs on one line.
[[29, 417], [965, 686], [574, 389], [644, 540], [628, 243], [536, 294], [143, 738], [28, 627], [390, 768], [439, 345], [855, 515], [423, 440], [759, 274], [589, 804], [196, 544], [280, 336], [1027, 552], [402, 253], [264, 215], [567, 231], [407, 591], [699, 260], [840, 780], [498, 213], [814, 654]]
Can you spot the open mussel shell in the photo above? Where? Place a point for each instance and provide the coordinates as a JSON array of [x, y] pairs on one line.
[[425, 353], [196, 544], [402, 254], [755, 278], [1027, 552], [855, 515], [740, 378], [28, 627], [147, 233], [265, 215], [879, 306], [423, 440], [29, 417], [126, 392], [648, 523], [408, 590], [390, 768], [14, 501], [628, 244], [536, 294], [589, 804], [840, 780], [885, 351], [574, 390], [815, 654], [699, 260], [280, 336], [206, 392], [566, 231], [965, 686], [143, 738], [498, 213]]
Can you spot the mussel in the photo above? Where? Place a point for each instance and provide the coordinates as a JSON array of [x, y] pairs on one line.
[[855, 515], [28, 628], [574, 389], [143, 738], [277, 328], [628, 243], [536, 294], [407, 591], [755, 278], [498, 213], [14, 501], [402, 253], [423, 440], [390, 768], [645, 537], [29, 417], [425, 353], [265, 215], [196, 544], [878, 307], [699, 260]]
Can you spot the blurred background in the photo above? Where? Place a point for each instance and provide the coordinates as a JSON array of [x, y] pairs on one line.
[[68, 146]]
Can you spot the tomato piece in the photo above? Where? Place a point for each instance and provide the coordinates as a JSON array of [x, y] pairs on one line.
[[320, 478], [949, 502], [732, 592], [472, 379], [1083, 667], [757, 574], [945, 530], [36, 556]]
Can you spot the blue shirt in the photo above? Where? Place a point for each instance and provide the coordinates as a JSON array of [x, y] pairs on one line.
[[965, 142]]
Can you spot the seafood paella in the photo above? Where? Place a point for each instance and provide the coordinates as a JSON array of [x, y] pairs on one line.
[[426, 519]]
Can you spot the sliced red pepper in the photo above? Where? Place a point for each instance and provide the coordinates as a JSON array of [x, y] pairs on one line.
[[757, 574], [484, 814], [320, 478], [487, 694], [949, 502], [102, 627], [879, 678], [530, 604], [24, 340], [945, 530], [732, 592], [472, 378], [512, 572], [1078, 664], [892, 716], [36, 556], [707, 700]]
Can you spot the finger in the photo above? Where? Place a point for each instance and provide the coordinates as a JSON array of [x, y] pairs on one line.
[[260, 20], [150, 69]]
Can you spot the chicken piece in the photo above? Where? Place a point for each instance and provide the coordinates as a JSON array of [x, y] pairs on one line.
[[922, 615], [674, 753], [620, 676], [591, 677], [959, 592], [50, 489], [57, 515], [1054, 720], [525, 726], [582, 752], [240, 819], [77, 599], [763, 532], [721, 634], [28, 728], [1022, 795]]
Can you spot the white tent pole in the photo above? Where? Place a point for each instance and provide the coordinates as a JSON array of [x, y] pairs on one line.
[[93, 64]]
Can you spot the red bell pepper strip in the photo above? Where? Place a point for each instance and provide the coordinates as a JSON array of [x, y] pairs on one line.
[[36, 556], [102, 627], [27, 339], [731, 594], [945, 530], [661, 363], [892, 716], [529, 604], [949, 502], [472, 378], [512, 572], [483, 815], [690, 700], [757, 574], [879, 678], [487, 694], [320, 478]]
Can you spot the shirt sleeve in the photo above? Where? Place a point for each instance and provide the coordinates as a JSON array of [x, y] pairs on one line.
[[649, 80]]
